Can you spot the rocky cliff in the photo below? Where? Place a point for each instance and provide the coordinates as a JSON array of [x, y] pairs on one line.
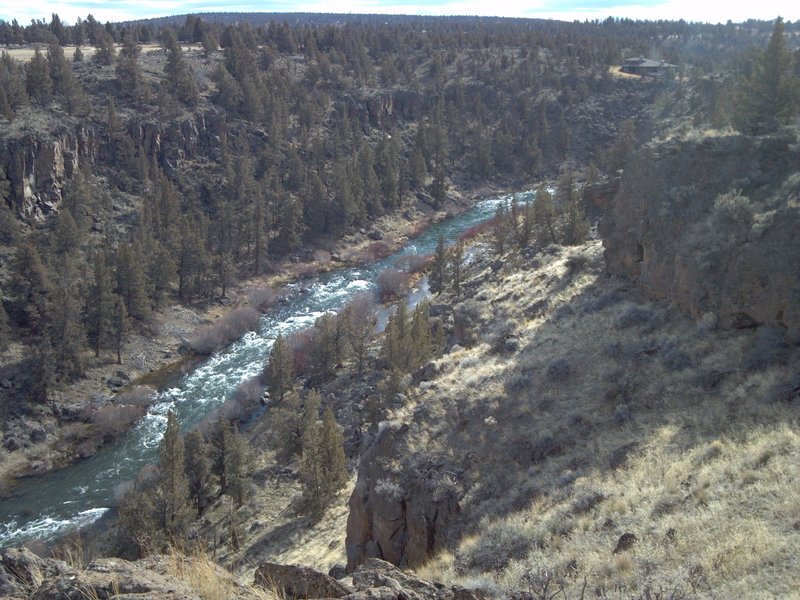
[[394, 516], [39, 162], [735, 258]]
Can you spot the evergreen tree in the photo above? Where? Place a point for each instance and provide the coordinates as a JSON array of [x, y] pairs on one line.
[[172, 490], [66, 332], [436, 281], [100, 306], [5, 330], [120, 325], [771, 95], [544, 214], [198, 471], [31, 286], [363, 322], [576, 227], [456, 266], [180, 78], [38, 82], [292, 419], [229, 460], [104, 43], [129, 71], [500, 227], [131, 282], [280, 369], [323, 469]]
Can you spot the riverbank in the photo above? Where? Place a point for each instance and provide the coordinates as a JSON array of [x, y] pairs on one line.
[[152, 357]]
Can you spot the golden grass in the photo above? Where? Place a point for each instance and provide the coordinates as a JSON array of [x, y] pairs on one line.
[[709, 486]]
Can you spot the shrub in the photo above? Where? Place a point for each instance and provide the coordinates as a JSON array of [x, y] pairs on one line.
[[244, 400], [392, 285], [413, 263], [300, 344], [113, 419], [559, 370], [262, 297], [223, 331], [767, 349]]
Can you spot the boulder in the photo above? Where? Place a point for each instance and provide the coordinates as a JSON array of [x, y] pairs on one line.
[[298, 581]]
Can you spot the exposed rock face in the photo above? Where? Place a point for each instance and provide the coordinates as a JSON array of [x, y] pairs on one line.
[[661, 231], [38, 165], [402, 520], [374, 580], [298, 582]]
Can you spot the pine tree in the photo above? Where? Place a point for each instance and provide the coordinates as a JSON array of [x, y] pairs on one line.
[[576, 227], [198, 471], [66, 332], [456, 266], [323, 469], [104, 43], [31, 286], [100, 306], [172, 490], [131, 285], [180, 78], [38, 82], [544, 214], [292, 419], [129, 72], [363, 321], [500, 227], [771, 95], [120, 325], [437, 279], [5, 330], [230, 460], [280, 369]]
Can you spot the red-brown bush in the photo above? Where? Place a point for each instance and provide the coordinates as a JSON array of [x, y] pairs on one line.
[[392, 285], [224, 330]]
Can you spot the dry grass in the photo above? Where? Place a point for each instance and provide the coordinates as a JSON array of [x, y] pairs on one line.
[[651, 428], [202, 575]]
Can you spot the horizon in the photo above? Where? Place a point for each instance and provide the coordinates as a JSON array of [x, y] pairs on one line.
[[570, 10]]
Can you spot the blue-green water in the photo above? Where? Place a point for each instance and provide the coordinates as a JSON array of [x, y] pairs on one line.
[[48, 506]]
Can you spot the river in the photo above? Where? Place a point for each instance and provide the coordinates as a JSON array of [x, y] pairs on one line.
[[51, 505]]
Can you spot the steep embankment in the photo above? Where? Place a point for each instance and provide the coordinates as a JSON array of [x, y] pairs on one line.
[[734, 257], [586, 430]]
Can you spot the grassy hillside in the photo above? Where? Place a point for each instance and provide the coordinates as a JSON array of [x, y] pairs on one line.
[[616, 415]]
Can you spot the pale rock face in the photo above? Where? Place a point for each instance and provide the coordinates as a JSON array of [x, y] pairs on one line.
[[667, 193]]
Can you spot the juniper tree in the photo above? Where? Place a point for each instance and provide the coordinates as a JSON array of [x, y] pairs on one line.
[[100, 306], [500, 227], [129, 72], [292, 419], [171, 502], [30, 285], [323, 469], [456, 266], [38, 82], [771, 95], [120, 325], [436, 281], [280, 369], [5, 330], [544, 214]]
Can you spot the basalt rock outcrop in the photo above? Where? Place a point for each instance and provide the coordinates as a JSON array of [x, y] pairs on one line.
[[664, 233], [374, 580], [38, 164], [402, 518]]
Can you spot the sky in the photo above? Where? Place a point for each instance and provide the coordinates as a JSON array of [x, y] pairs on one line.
[[712, 11]]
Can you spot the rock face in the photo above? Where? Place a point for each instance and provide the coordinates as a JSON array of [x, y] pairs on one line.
[[664, 233], [38, 164], [374, 580], [402, 520], [298, 582]]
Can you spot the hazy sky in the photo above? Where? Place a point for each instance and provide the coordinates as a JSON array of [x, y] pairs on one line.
[[691, 10]]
